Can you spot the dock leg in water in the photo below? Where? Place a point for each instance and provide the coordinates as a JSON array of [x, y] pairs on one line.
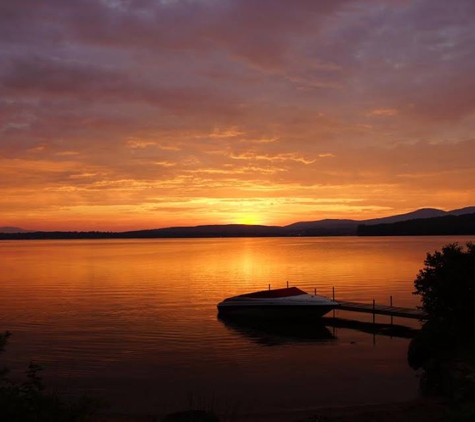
[[374, 311]]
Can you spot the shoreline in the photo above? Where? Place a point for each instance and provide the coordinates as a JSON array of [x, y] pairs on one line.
[[419, 409]]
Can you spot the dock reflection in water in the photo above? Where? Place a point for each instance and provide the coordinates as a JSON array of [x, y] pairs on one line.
[[276, 333], [380, 329]]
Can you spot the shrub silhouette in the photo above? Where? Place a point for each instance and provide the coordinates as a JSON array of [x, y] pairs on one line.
[[447, 286], [445, 345], [28, 401]]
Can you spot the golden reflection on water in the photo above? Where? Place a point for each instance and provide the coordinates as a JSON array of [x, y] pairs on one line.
[[135, 320]]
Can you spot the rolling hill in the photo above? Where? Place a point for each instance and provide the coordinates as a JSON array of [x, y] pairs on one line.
[[426, 217], [463, 224], [13, 230]]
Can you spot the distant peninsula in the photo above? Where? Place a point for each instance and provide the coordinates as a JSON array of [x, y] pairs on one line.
[[436, 226], [425, 221]]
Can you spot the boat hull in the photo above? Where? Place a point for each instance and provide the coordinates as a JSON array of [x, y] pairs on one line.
[[286, 304], [274, 312]]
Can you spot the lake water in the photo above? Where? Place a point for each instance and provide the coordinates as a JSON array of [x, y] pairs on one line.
[[135, 321]]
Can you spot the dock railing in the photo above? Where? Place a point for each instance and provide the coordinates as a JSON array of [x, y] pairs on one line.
[[379, 309]]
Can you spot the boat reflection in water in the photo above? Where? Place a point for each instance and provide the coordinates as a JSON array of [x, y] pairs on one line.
[[275, 317], [276, 333]]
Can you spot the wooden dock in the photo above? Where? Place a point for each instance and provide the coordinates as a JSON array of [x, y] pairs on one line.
[[394, 311]]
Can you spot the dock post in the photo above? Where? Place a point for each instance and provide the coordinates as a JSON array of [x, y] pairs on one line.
[[287, 283], [333, 296], [269, 286], [374, 315], [391, 304]]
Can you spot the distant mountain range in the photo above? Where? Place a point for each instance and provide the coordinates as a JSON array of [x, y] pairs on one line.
[[392, 225], [13, 230], [349, 227], [463, 224]]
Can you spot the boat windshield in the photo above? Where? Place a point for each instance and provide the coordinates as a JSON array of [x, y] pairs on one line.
[[291, 291]]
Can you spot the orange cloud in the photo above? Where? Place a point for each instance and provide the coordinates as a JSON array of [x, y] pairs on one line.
[[383, 112]]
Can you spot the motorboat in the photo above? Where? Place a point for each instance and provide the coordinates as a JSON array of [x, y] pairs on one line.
[[286, 304]]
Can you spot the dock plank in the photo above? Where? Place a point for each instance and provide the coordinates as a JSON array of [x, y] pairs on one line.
[[396, 311]]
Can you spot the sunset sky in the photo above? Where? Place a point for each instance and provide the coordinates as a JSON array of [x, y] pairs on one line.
[[134, 114]]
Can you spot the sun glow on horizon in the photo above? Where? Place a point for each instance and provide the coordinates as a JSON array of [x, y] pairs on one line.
[[250, 219]]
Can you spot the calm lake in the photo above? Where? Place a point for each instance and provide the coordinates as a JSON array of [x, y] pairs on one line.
[[135, 321]]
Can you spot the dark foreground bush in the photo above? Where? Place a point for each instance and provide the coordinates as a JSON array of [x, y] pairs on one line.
[[445, 346], [447, 287], [29, 402]]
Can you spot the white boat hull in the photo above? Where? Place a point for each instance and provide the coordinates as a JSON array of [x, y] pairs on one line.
[[298, 305]]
